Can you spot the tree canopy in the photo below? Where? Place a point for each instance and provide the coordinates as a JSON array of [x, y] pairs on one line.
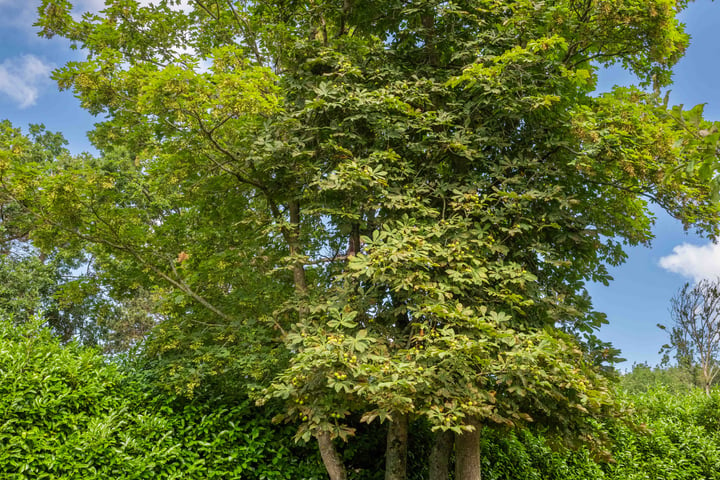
[[378, 210]]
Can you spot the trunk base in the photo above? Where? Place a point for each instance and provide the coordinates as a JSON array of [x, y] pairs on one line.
[[396, 450], [440, 456], [467, 454], [331, 459]]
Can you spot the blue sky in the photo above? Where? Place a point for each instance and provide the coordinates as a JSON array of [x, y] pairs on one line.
[[27, 94], [639, 297], [635, 302]]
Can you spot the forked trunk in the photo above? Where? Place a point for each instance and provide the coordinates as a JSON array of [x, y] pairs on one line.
[[397, 447], [467, 454], [440, 456], [331, 458]]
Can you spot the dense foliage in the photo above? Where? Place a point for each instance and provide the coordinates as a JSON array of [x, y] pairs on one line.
[[679, 441], [68, 413], [380, 212]]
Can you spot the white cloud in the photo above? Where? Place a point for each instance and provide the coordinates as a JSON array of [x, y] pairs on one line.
[[695, 261], [81, 6], [183, 5], [22, 77], [97, 5], [90, 5]]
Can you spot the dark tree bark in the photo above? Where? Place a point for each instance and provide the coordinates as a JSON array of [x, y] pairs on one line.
[[396, 451], [467, 454], [331, 459], [440, 456], [428, 21]]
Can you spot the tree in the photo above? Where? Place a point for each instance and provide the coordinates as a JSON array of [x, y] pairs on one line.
[[695, 334], [643, 378], [58, 283], [377, 209]]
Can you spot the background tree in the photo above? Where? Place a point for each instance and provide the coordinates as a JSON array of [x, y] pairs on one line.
[[58, 282], [642, 378], [695, 333]]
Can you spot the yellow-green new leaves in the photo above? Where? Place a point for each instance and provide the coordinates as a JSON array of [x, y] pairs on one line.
[[632, 140], [230, 91], [644, 36]]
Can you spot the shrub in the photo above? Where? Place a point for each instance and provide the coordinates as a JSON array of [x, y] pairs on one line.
[[679, 441], [66, 412]]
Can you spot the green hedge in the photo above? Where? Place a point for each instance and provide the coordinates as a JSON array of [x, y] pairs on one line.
[[68, 413], [680, 441]]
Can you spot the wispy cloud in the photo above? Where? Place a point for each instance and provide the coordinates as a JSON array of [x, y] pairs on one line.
[[21, 79], [694, 261], [184, 5], [90, 5], [97, 5]]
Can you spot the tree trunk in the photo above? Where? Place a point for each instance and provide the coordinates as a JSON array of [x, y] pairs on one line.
[[428, 21], [330, 457], [707, 377], [397, 446], [440, 456], [293, 240], [467, 454]]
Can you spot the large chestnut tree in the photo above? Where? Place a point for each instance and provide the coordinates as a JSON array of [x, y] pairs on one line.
[[383, 210]]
